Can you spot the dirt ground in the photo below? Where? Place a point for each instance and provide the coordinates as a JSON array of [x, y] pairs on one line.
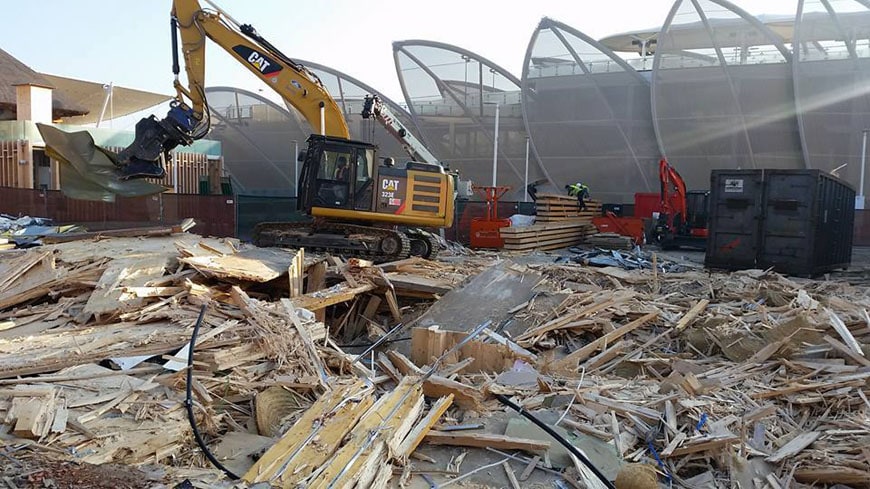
[[23, 468]]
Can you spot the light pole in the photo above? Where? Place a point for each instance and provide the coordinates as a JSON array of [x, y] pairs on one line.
[[296, 168], [467, 60], [859, 199], [495, 144], [526, 174]]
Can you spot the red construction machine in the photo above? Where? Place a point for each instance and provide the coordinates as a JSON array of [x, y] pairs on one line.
[[682, 220]]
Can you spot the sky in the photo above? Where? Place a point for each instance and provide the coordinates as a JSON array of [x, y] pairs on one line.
[[127, 42]]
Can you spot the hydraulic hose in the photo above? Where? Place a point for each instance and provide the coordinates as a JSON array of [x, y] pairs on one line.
[[188, 402]]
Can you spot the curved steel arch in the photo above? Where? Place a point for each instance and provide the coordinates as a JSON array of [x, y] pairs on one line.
[[404, 48], [729, 124], [615, 176], [283, 170], [832, 94]]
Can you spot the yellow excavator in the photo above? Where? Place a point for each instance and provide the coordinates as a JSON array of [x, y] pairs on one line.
[[361, 204]]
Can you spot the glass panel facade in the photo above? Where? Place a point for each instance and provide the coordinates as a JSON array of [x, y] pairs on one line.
[[722, 94], [832, 83], [452, 95], [350, 94], [588, 114], [257, 137]]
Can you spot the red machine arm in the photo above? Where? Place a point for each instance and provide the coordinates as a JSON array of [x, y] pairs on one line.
[[673, 192]]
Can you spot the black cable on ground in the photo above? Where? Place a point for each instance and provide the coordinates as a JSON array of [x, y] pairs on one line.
[[571, 448], [188, 402]]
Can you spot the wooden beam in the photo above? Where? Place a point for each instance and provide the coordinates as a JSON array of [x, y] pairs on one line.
[[296, 272], [484, 440], [424, 426], [691, 315], [573, 359], [328, 420]]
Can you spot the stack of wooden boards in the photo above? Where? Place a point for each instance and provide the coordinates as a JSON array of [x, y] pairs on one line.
[[549, 236], [558, 208], [610, 241], [559, 223]]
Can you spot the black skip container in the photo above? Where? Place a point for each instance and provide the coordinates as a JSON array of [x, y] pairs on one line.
[[797, 221]]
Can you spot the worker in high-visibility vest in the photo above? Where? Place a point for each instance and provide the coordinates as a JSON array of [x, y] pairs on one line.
[[579, 190]]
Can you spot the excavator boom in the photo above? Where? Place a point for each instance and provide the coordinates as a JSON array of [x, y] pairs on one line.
[[342, 184]]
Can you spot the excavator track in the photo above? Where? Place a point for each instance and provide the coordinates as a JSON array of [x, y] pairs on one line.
[[424, 244], [376, 244]]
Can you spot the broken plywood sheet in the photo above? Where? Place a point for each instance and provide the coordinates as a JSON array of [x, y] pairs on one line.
[[109, 296], [130, 248], [54, 351], [430, 343], [254, 265], [488, 296]]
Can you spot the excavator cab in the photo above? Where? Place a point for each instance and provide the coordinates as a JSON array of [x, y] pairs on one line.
[[337, 174], [341, 179]]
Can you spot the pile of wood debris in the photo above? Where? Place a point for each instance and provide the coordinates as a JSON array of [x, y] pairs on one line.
[[94, 342], [715, 380]]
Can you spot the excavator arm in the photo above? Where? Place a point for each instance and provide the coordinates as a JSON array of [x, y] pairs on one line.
[[188, 117], [673, 192], [374, 107]]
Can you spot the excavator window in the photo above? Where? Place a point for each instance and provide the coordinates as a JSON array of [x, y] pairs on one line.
[[333, 179], [362, 190]]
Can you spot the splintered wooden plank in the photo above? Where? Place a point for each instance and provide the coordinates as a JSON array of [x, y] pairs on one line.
[[415, 437], [109, 296], [414, 285], [483, 440], [690, 316], [465, 396], [328, 420], [368, 439], [343, 292], [581, 354], [295, 273], [794, 446], [703, 446], [393, 302], [844, 333]]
